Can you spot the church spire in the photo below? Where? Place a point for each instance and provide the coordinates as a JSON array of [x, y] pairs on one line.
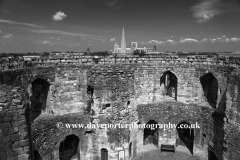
[[123, 43]]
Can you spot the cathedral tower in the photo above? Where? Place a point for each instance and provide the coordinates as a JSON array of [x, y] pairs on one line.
[[123, 43]]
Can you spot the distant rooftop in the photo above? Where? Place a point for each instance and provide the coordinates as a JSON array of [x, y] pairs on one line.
[[232, 54]]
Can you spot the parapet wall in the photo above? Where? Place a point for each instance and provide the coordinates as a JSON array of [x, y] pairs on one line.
[[18, 62]]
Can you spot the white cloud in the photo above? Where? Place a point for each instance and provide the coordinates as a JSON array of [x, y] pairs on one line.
[[207, 10], [170, 41], [59, 16], [8, 36], [235, 39], [113, 39], [222, 40], [191, 40], [113, 4], [19, 23], [188, 40], [156, 42], [46, 42]]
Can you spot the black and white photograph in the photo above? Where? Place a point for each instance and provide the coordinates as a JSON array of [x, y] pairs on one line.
[[119, 79]]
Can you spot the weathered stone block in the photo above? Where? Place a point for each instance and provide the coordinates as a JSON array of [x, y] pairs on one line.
[[2, 120], [15, 118], [15, 145], [2, 114], [21, 117], [21, 111], [23, 128], [3, 99], [24, 135], [23, 143], [6, 139], [23, 157], [7, 119], [19, 123], [10, 153], [26, 149], [5, 131], [16, 137]]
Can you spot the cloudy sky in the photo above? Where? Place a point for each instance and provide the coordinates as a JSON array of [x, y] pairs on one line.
[[75, 25]]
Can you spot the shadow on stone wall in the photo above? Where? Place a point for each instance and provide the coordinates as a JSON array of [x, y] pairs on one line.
[[222, 103], [104, 154], [186, 136], [130, 150], [218, 135], [28, 123], [210, 88], [36, 155], [150, 134], [38, 98], [69, 148], [218, 129]]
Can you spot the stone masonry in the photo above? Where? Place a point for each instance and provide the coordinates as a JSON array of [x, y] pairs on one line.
[[34, 100]]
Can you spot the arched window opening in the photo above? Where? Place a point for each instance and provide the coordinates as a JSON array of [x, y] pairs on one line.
[[104, 154], [69, 148], [151, 133], [90, 91], [168, 84], [128, 105], [210, 88], [185, 135], [130, 150], [36, 155], [38, 97]]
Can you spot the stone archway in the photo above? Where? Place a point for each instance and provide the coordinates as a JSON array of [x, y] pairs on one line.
[[168, 84], [185, 135], [38, 93], [210, 88], [150, 135], [36, 155], [38, 97], [68, 148], [104, 154]]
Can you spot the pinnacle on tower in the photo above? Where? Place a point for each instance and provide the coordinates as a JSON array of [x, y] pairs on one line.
[[123, 43]]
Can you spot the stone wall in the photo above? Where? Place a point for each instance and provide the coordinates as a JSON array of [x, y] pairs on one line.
[[68, 92], [68, 60], [113, 91], [232, 119], [189, 88], [47, 137], [173, 113], [108, 94], [14, 112]]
